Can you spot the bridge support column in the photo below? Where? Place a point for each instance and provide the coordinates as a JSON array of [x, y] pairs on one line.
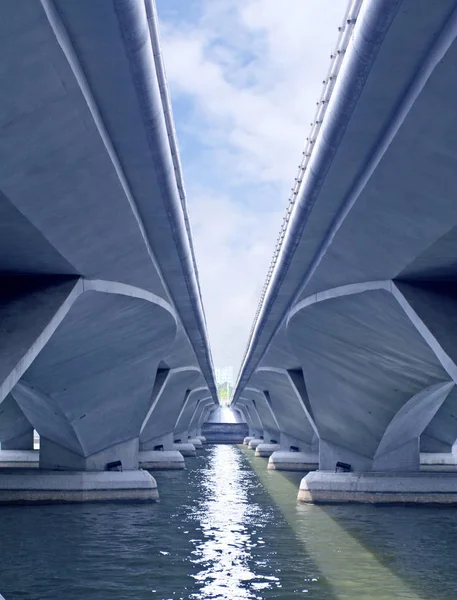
[[67, 476], [54, 456], [16, 431]]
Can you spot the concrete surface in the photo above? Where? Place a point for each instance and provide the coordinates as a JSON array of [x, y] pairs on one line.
[[254, 443], [225, 433], [101, 310], [196, 442], [355, 336], [154, 460], [281, 460], [48, 487], [19, 458], [266, 450], [324, 487], [186, 449]]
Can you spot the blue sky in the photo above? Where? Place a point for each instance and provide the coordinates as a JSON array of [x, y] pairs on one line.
[[244, 78]]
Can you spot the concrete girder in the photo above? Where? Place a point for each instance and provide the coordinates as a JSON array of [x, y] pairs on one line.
[[289, 402], [88, 389], [219, 414], [204, 407], [171, 396], [252, 416], [85, 117], [199, 413], [371, 183], [399, 448], [441, 434], [189, 407], [364, 353], [263, 404], [16, 431]]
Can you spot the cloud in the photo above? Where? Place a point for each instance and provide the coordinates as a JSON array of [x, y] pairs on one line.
[[244, 79]]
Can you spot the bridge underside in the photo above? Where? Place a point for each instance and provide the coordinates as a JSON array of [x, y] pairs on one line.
[[103, 349], [355, 347]]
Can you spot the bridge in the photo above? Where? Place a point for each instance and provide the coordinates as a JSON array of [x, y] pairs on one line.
[[104, 349], [352, 355]]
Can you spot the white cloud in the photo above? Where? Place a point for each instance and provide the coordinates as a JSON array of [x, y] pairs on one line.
[[250, 73]]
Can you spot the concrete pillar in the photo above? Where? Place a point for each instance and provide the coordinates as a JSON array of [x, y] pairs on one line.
[[166, 441], [373, 388], [53, 456], [170, 397], [16, 432]]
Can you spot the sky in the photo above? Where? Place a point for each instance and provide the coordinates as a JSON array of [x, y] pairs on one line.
[[244, 78]]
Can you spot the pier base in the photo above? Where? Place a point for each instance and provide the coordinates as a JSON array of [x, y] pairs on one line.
[[196, 442], [266, 450], [57, 487], [186, 449], [325, 487], [254, 443], [19, 459], [281, 460], [437, 461], [154, 460], [247, 439]]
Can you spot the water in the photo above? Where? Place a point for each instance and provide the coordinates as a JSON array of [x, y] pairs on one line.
[[227, 529]]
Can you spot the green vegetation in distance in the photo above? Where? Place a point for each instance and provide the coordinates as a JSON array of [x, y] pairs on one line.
[[225, 392]]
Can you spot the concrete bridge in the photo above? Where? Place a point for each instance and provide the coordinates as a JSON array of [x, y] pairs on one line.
[[103, 347], [353, 350]]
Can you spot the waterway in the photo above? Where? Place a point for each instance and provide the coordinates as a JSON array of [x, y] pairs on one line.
[[227, 529]]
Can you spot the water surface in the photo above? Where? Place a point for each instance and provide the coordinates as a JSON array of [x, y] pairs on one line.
[[227, 529]]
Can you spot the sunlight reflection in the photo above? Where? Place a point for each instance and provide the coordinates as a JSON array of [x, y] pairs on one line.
[[347, 565], [225, 518]]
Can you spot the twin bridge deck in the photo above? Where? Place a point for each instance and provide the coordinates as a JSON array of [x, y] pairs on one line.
[[104, 350], [352, 356]]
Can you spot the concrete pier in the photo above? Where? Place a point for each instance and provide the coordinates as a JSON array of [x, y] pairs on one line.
[[293, 461], [266, 450], [54, 487], [196, 442], [254, 443], [186, 449], [437, 461], [19, 459], [325, 487], [201, 438], [155, 460], [247, 439]]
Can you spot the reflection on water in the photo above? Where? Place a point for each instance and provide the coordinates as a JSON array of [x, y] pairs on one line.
[[229, 525], [224, 531], [371, 552]]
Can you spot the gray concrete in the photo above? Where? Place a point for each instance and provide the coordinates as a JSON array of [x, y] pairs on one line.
[[185, 448], [266, 450], [324, 487], [154, 460], [49, 487], [19, 459], [354, 348], [254, 443], [104, 343], [225, 433], [196, 442], [281, 460]]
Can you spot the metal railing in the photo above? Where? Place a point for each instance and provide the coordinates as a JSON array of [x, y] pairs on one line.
[[336, 59]]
